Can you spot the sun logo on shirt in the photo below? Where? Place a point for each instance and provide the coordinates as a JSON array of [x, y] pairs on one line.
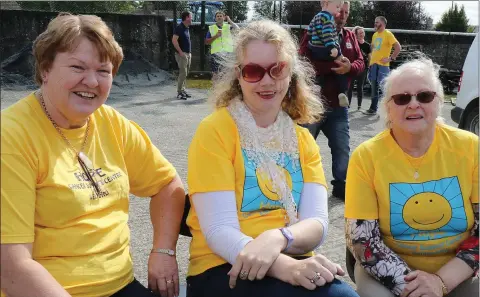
[[427, 211], [258, 191], [377, 44]]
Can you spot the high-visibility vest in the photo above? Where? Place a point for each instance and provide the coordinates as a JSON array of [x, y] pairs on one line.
[[225, 42]]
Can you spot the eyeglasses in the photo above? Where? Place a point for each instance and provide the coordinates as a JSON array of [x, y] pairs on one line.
[[422, 97], [253, 73]]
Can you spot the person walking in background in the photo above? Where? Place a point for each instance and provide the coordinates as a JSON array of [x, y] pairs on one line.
[[334, 124], [220, 39], [324, 44], [360, 79], [382, 42], [183, 55]]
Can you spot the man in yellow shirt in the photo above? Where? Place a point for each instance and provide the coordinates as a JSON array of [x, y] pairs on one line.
[[382, 42]]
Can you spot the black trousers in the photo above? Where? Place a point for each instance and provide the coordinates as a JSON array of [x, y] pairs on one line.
[[214, 282], [134, 289], [360, 79]]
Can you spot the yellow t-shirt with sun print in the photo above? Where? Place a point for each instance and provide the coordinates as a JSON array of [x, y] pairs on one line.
[[423, 220], [216, 162], [382, 44]]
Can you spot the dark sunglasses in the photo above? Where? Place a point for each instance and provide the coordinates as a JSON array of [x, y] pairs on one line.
[[422, 97], [253, 73]]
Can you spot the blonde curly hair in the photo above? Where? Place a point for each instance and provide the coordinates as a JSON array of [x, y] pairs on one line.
[[302, 102]]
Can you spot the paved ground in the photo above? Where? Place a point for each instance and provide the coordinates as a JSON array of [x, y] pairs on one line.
[[171, 124]]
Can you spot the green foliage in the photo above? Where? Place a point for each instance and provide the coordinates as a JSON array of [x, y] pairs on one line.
[[81, 6], [301, 12], [408, 15], [453, 20], [400, 14], [240, 11]]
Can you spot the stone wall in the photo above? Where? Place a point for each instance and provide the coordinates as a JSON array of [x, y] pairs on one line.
[[146, 40]]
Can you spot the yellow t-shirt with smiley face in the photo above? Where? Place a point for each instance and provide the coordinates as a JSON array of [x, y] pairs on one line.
[[423, 220], [217, 162]]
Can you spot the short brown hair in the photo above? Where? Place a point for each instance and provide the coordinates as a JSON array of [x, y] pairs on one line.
[[382, 18], [61, 36]]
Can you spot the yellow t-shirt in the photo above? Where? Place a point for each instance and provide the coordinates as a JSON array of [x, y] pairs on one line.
[[216, 162], [382, 44], [424, 220], [83, 243]]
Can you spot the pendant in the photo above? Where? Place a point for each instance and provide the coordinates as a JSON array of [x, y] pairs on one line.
[[83, 158], [416, 175]]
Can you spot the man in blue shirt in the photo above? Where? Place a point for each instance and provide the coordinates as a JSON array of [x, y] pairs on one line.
[[183, 55]]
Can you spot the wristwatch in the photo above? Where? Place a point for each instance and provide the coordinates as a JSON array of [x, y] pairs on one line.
[[164, 251], [289, 236]]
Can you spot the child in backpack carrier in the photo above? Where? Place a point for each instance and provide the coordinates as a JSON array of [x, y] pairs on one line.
[[324, 44]]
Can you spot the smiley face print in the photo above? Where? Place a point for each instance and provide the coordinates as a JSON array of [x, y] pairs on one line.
[[417, 214], [427, 211], [258, 191]]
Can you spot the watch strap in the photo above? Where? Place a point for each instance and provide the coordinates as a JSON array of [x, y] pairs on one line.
[[289, 236]]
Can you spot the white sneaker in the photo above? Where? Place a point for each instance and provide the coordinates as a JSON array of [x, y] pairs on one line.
[[342, 100]]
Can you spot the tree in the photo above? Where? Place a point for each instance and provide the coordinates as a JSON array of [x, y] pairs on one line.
[[273, 10], [453, 20], [240, 11], [400, 14], [357, 14], [81, 6], [408, 15], [301, 12]]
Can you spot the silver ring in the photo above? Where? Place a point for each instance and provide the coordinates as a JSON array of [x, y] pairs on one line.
[[315, 278], [169, 281], [243, 274]]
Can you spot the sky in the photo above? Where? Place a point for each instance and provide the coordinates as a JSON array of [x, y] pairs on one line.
[[434, 8], [437, 8]]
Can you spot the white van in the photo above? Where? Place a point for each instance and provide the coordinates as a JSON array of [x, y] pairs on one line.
[[466, 111]]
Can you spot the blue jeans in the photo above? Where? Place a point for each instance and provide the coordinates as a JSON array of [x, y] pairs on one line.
[[214, 282], [376, 76], [335, 127]]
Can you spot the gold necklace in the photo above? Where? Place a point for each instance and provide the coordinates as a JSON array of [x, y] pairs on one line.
[[85, 162], [416, 175]]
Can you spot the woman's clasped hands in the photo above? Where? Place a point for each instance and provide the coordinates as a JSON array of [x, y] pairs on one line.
[[258, 256]]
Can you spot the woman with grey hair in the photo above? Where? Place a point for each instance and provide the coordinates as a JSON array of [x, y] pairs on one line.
[[411, 204]]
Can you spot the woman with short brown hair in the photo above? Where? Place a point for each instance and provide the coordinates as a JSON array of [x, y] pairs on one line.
[[69, 163]]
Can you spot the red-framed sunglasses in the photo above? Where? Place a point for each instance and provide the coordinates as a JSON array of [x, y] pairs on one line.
[[253, 73], [422, 97]]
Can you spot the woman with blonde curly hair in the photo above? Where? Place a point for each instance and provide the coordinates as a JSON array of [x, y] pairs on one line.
[[258, 191]]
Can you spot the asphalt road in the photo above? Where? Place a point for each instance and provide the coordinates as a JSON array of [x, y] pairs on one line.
[[171, 125]]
